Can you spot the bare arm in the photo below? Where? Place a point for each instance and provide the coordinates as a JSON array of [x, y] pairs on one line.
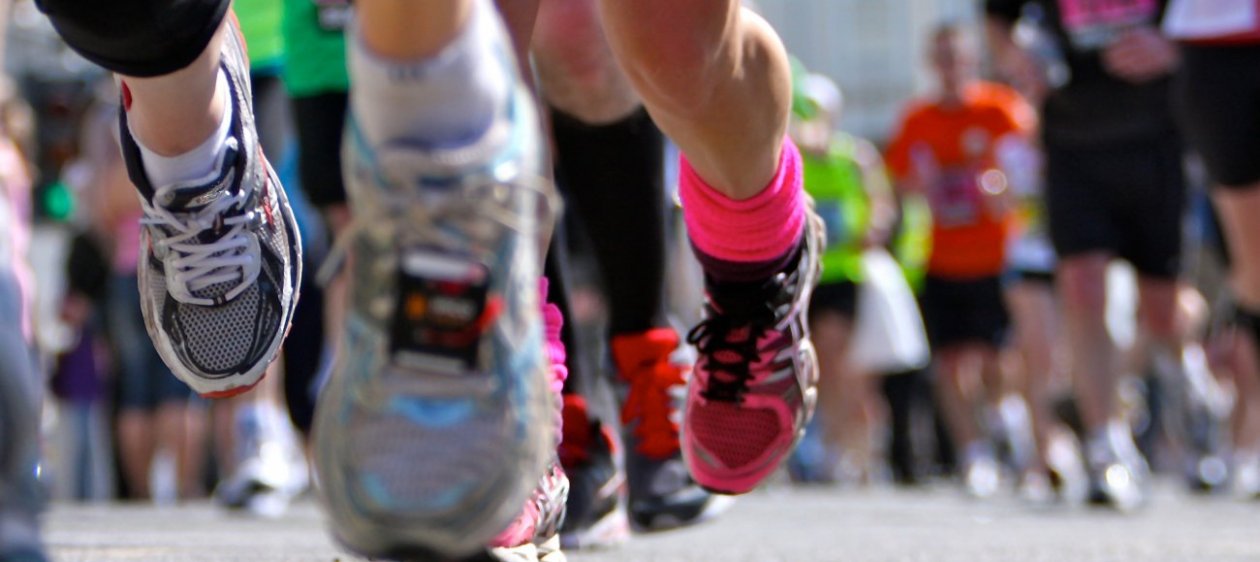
[[1015, 64]]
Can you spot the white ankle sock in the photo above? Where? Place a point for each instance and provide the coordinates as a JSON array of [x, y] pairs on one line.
[[447, 100], [197, 164]]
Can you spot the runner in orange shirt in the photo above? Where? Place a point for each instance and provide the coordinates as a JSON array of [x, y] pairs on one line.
[[946, 148]]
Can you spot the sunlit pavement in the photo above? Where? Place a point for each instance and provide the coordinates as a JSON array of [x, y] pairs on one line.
[[780, 524]]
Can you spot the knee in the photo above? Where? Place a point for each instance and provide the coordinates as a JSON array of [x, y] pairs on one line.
[[576, 69], [671, 52], [1158, 311], [1083, 287]]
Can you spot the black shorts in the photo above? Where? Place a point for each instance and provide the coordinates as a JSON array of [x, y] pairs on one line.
[[1218, 103], [838, 297], [1124, 199], [140, 38], [958, 312], [319, 120]]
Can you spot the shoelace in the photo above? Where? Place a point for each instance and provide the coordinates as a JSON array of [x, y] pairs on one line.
[[729, 348], [728, 342], [648, 403], [475, 213], [197, 265]]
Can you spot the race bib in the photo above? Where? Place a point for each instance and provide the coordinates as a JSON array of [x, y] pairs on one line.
[[956, 198], [1210, 19], [1093, 24], [334, 15]]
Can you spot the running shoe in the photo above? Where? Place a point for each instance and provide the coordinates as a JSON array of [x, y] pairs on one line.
[[221, 263], [1246, 475], [662, 494], [271, 470], [439, 418], [754, 385], [1196, 412], [814, 461], [534, 536], [597, 514], [1116, 478], [19, 538], [1066, 468], [981, 473]]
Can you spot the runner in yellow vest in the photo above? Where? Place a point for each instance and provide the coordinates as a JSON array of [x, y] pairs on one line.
[[845, 177]]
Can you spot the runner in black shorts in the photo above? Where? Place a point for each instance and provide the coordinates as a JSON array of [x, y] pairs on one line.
[[1218, 98], [947, 149], [1114, 190], [964, 312]]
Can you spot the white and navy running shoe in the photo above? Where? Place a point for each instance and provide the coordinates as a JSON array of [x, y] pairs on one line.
[[438, 422], [221, 263]]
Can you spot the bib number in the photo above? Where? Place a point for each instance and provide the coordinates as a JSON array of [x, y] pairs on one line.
[[1093, 24], [334, 15]]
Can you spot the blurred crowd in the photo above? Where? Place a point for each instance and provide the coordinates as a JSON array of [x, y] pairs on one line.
[[954, 343]]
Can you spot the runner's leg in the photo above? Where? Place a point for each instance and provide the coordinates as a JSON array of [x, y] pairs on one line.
[[695, 65]]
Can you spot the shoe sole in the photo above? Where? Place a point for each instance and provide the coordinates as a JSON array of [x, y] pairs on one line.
[[718, 504], [609, 531]]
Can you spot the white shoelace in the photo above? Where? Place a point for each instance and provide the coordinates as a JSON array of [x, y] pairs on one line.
[[192, 265], [475, 209]]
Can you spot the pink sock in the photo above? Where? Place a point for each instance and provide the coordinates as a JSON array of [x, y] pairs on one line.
[[554, 322], [749, 240]]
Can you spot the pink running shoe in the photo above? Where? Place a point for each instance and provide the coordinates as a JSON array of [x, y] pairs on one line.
[[535, 534], [753, 388]]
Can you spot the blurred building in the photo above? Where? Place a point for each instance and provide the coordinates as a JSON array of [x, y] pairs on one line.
[[873, 48]]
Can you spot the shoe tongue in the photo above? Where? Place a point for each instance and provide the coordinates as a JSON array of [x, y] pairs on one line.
[[195, 197], [740, 300]]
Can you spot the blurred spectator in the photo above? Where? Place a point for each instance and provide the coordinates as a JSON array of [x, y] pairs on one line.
[[82, 438], [846, 178], [1218, 95], [156, 412], [946, 148], [21, 495], [1115, 190]]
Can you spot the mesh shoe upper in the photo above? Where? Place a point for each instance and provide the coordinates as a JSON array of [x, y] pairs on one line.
[[753, 388]]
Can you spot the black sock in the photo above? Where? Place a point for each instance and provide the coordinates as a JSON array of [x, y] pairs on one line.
[[613, 177], [1248, 320]]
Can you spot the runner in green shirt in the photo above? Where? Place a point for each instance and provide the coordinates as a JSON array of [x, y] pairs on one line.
[[845, 177]]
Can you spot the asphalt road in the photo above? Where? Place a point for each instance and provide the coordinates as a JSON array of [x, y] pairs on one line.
[[776, 525]]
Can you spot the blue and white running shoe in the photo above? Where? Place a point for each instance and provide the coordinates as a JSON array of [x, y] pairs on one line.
[[438, 423]]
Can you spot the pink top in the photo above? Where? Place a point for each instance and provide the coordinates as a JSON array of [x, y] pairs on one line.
[[15, 224], [127, 243]]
